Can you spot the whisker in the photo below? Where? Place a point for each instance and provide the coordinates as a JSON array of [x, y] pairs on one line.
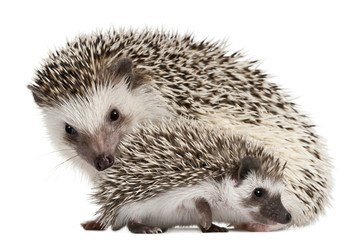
[[60, 150], [67, 160], [44, 155], [62, 163]]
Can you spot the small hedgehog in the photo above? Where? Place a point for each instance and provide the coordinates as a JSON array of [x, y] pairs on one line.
[[180, 172], [98, 87]]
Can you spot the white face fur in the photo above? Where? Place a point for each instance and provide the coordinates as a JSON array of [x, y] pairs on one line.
[[94, 132], [236, 202], [262, 196]]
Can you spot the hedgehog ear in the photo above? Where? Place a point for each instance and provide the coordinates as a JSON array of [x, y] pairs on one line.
[[124, 68], [248, 164], [38, 100]]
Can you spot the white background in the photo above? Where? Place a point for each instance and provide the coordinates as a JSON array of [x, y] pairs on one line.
[[313, 49]]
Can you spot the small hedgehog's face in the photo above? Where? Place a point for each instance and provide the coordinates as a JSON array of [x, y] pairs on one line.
[[261, 195], [89, 126]]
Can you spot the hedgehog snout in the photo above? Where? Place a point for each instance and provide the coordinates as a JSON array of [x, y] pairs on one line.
[[103, 161], [100, 149], [276, 212], [288, 217]]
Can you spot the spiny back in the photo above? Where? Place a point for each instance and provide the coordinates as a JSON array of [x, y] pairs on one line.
[[74, 69]]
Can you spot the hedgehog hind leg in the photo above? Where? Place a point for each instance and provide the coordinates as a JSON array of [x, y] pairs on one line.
[[136, 227], [92, 225]]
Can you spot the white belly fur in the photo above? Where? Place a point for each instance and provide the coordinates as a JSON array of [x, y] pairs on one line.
[[177, 207]]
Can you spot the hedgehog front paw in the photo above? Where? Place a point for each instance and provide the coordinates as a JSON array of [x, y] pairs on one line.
[[205, 224], [148, 229], [213, 228], [136, 227]]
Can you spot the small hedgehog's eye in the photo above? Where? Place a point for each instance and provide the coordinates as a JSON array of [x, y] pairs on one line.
[[70, 130], [114, 115], [258, 192]]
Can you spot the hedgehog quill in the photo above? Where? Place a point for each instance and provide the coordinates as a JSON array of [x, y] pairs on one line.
[[97, 88]]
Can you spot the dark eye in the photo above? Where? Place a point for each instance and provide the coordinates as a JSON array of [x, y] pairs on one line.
[[70, 130], [114, 115], [258, 192]]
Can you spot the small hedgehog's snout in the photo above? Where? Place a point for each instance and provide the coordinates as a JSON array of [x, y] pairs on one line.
[[284, 217], [288, 218], [103, 162], [275, 212]]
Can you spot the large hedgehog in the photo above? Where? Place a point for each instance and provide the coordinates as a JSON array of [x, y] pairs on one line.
[[181, 172], [95, 89]]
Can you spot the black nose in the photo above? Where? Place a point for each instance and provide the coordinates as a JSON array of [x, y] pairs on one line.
[[288, 217], [103, 162]]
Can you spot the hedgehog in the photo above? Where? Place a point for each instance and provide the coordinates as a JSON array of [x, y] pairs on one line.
[[96, 89], [180, 172]]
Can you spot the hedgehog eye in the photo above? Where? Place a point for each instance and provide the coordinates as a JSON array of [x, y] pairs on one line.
[[70, 130], [114, 115], [258, 192]]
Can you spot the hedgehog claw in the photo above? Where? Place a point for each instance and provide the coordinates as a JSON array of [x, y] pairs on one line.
[[92, 225], [152, 230], [136, 227], [214, 228]]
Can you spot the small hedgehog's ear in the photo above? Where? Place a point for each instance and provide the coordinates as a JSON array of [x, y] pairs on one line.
[[124, 68], [38, 100], [248, 164]]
